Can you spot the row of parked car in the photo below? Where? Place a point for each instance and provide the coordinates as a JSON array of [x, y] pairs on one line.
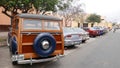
[[76, 36], [37, 38]]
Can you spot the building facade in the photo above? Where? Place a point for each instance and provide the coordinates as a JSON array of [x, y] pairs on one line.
[[4, 21]]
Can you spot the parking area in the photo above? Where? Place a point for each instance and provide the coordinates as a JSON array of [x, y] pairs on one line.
[[68, 50], [6, 61]]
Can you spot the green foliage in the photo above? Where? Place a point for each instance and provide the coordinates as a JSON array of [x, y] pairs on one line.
[[94, 18], [14, 6], [45, 5], [63, 4]]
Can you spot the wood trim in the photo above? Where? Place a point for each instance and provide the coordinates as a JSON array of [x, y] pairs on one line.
[[62, 40], [20, 37], [25, 44]]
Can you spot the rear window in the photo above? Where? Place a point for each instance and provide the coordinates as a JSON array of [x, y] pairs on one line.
[[67, 30], [32, 24], [52, 25]]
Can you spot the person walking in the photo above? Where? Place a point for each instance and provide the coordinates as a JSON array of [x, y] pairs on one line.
[[114, 29]]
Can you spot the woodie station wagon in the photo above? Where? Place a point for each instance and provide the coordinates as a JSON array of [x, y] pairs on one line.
[[35, 38]]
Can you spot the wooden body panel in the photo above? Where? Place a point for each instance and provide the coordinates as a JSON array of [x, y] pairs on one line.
[[27, 45]]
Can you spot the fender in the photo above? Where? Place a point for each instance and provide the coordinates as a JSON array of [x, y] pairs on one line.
[[13, 45]]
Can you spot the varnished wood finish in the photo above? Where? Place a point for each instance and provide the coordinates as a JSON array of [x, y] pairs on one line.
[[25, 38]]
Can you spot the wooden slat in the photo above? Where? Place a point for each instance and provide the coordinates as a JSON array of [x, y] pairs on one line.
[[24, 44], [27, 44], [59, 42]]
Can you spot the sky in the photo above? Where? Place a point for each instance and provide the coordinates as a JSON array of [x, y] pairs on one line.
[[110, 9]]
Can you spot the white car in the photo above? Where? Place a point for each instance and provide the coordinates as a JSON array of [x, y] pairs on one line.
[[83, 34]]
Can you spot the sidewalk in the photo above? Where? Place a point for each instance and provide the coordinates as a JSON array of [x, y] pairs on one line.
[[3, 38]]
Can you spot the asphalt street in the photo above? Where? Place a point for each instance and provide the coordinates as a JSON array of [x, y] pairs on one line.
[[100, 52]]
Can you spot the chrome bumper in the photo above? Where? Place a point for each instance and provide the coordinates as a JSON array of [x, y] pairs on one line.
[[36, 60], [71, 42]]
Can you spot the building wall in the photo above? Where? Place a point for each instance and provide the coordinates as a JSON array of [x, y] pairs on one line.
[[4, 21], [4, 28], [74, 24]]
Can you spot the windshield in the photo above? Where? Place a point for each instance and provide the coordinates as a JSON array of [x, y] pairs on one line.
[[78, 29], [92, 29], [32, 24]]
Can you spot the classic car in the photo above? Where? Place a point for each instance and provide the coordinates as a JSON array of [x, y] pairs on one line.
[[35, 38], [83, 34], [71, 37]]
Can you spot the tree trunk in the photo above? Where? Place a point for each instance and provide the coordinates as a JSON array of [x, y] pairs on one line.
[[78, 24], [92, 24], [13, 14]]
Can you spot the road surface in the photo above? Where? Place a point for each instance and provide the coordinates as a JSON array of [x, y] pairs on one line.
[[100, 52]]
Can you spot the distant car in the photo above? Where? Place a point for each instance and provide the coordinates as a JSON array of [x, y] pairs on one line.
[[71, 37], [92, 32], [83, 34], [100, 30]]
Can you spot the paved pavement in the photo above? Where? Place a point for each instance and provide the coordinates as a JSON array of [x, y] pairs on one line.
[[3, 38], [100, 52]]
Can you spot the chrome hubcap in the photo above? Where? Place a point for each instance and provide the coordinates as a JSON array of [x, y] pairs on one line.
[[45, 44]]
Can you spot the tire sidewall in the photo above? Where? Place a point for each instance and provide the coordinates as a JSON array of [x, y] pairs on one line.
[[38, 46]]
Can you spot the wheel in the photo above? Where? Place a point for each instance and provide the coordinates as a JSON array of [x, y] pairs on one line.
[[44, 44], [14, 62], [83, 41]]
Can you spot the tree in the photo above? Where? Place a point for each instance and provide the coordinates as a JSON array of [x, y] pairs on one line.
[[94, 18], [45, 5], [13, 7], [72, 13]]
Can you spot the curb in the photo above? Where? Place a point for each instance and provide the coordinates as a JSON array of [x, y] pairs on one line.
[[2, 44]]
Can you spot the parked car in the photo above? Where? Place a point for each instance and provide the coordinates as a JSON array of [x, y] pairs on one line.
[[71, 37], [83, 34], [92, 32], [35, 38], [100, 30]]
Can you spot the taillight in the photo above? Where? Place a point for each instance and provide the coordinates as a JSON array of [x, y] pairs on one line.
[[69, 36]]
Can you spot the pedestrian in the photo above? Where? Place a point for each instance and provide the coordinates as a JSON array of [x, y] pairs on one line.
[[114, 29]]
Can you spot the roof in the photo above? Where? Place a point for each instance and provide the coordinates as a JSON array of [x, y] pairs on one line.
[[38, 16]]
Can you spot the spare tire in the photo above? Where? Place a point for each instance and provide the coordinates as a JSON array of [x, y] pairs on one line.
[[44, 44]]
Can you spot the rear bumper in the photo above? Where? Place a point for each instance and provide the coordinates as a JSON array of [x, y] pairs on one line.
[[36, 60], [71, 42], [93, 34]]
